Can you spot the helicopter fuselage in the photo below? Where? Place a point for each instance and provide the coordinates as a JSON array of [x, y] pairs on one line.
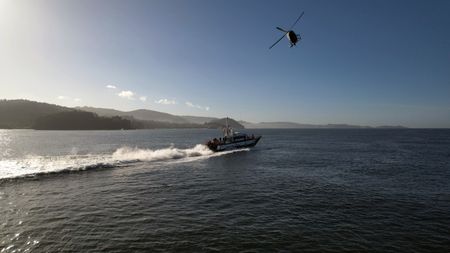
[[292, 37]]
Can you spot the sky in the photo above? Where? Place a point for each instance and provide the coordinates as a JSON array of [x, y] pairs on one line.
[[359, 62]]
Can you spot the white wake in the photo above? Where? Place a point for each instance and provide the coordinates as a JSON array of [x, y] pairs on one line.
[[137, 154], [32, 165]]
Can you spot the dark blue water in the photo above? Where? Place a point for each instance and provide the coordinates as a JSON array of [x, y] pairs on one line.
[[156, 191]]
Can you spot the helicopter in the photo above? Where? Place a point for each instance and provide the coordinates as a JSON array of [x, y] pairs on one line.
[[290, 35]]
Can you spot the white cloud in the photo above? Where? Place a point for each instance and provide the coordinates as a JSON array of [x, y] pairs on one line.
[[109, 86], [126, 94], [165, 101], [143, 98], [68, 98], [206, 108]]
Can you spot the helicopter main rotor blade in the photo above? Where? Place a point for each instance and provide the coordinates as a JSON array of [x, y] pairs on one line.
[[277, 41], [281, 29], [301, 15]]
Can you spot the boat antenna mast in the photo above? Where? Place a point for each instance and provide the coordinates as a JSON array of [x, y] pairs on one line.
[[227, 129]]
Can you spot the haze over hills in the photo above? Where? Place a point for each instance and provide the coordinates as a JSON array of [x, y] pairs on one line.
[[141, 114], [219, 123], [211, 122], [287, 125], [198, 119], [145, 114], [149, 115], [24, 114]]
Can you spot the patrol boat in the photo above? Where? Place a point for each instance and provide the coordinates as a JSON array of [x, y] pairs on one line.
[[232, 140]]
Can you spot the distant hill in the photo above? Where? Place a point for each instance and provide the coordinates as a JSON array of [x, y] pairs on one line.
[[142, 114], [279, 125], [220, 123], [198, 119], [80, 120], [391, 127], [25, 114], [150, 124], [344, 126], [30, 114], [22, 113]]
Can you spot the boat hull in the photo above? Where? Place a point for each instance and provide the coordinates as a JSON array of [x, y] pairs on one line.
[[236, 145]]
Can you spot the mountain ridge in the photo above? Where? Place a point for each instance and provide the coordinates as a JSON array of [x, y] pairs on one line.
[[140, 114], [21, 113], [26, 114]]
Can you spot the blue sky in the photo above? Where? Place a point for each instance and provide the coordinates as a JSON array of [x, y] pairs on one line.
[[360, 62]]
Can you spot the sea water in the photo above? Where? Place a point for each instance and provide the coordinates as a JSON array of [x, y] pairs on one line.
[[380, 190]]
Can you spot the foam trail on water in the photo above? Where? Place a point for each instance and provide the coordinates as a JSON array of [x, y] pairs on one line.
[[136, 154], [36, 165]]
